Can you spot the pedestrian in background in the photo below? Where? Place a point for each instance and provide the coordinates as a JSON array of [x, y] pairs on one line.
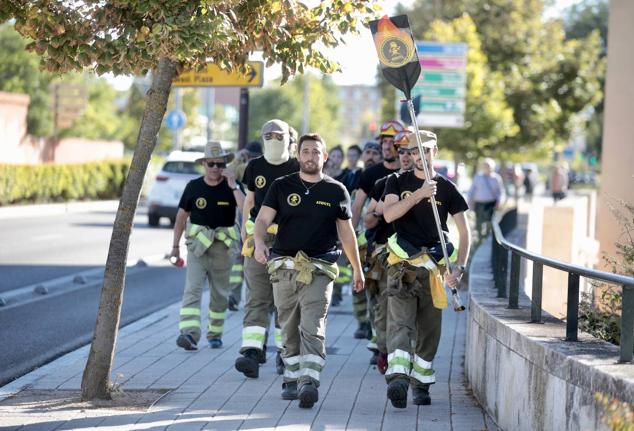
[[485, 195], [559, 182], [207, 214]]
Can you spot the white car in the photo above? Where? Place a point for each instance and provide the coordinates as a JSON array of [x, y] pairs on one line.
[[165, 193]]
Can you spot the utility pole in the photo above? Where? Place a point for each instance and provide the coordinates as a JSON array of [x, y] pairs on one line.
[[178, 106], [209, 110], [243, 126]]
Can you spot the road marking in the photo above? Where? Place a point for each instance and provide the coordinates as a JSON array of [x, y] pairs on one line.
[[46, 237]]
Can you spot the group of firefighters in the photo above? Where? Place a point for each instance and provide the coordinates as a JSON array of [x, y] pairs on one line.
[[292, 224]]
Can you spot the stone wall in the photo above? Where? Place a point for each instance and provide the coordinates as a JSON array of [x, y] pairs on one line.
[[524, 374]]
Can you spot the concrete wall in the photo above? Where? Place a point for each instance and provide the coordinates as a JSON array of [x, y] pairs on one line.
[[617, 158], [525, 375]]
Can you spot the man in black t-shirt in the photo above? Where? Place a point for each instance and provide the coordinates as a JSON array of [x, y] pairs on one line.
[[368, 178], [312, 211], [207, 213], [377, 233], [414, 283], [258, 176]]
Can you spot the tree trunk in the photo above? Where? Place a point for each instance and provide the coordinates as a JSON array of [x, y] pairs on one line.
[[96, 379]]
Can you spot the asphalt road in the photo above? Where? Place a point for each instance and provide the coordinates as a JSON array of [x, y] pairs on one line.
[[37, 249]]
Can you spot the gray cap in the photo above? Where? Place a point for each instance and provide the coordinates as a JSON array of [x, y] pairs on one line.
[[277, 126], [371, 145]]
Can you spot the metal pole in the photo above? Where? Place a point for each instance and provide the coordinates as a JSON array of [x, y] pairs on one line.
[[455, 298], [514, 288], [243, 126], [627, 324], [572, 312], [209, 109], [536, 295], [178, 106]]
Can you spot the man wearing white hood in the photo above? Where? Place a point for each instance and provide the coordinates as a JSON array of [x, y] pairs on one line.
[[258, 176]]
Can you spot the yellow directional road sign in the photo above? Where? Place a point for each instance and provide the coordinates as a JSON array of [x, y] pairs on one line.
[[213, 76]]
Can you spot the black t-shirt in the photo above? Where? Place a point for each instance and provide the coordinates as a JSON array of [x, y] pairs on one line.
[[369, 177], [260, 174], [383, 230], [212, 206], [307, 222], [418, 225]]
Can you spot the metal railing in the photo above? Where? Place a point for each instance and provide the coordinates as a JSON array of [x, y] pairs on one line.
[[499, 262]]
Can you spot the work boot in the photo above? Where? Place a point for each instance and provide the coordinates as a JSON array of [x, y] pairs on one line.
[[381, 362], [279, 363], [289, 391], [335, 300], [187, 342], [397, 393], [233, 304], [374, 358], [363, 331], [215, 343], [262, 355], [420, 395], [308, 396], [248, 365]]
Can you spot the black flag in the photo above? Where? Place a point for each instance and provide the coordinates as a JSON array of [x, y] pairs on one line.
[[397, 52]]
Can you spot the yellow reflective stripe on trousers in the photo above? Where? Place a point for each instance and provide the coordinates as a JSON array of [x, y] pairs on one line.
[[398, 362], [188, 324], [218, 315], [216, 329], [190, 311], [362, 240]]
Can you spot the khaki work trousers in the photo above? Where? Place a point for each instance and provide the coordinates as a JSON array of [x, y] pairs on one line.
[[214, 265], [258, 307], [376, 289], [302, 310], [410, 311]]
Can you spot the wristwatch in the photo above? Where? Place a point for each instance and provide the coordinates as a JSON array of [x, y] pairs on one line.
[[461, 268], [234, 188]]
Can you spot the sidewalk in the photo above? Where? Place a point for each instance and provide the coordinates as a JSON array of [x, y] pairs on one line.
[[202, 390]]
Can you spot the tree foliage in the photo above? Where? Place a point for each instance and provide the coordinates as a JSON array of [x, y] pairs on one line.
[[286, 102], [547, 79], [20, 73]]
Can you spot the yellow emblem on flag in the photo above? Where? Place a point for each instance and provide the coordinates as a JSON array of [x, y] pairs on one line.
[[394, 46]]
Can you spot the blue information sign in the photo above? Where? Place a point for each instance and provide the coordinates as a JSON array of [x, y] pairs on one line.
[[175, 120]]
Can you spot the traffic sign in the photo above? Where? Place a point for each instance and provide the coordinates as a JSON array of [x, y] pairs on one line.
[[175, 120], [442, 84], [213, 76]]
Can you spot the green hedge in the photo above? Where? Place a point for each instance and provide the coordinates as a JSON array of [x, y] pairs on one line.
[[56, 183]]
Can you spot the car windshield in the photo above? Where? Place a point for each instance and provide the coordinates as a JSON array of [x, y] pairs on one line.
[[183, 168]]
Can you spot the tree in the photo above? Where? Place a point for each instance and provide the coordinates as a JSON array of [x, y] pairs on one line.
[[286, 103], [19, 73], [488, 118], [166, 36]]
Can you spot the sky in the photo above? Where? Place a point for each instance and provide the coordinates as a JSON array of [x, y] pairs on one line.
[[357, 57]]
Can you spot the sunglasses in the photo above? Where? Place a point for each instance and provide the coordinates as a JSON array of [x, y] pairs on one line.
[[221, 165], [274, 135], [402, 151]]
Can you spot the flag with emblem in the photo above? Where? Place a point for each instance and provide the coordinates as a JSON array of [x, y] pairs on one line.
[[397, 52]]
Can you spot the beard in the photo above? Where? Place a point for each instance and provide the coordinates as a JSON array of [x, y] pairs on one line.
[[389, 159], [310, 168]]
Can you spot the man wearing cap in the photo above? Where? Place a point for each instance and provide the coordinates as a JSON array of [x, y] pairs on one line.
[[377, 232], [414, 286], [238, 165], [207, 213], [312, 210], [258, 176], [368, 178]]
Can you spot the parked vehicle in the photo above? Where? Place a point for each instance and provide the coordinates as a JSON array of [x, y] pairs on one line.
[[179, 168]]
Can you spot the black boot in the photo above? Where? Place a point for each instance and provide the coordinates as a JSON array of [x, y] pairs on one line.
[[308, 396], [397, 393], [363, 331], [279, 363], [420, 395], [289, 391], [248, 364]]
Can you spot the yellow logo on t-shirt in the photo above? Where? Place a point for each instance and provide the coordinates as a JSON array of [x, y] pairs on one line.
[[260, 181], [405, 194], [201, 203], [223, 203], [326, 204], [293, 199]]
